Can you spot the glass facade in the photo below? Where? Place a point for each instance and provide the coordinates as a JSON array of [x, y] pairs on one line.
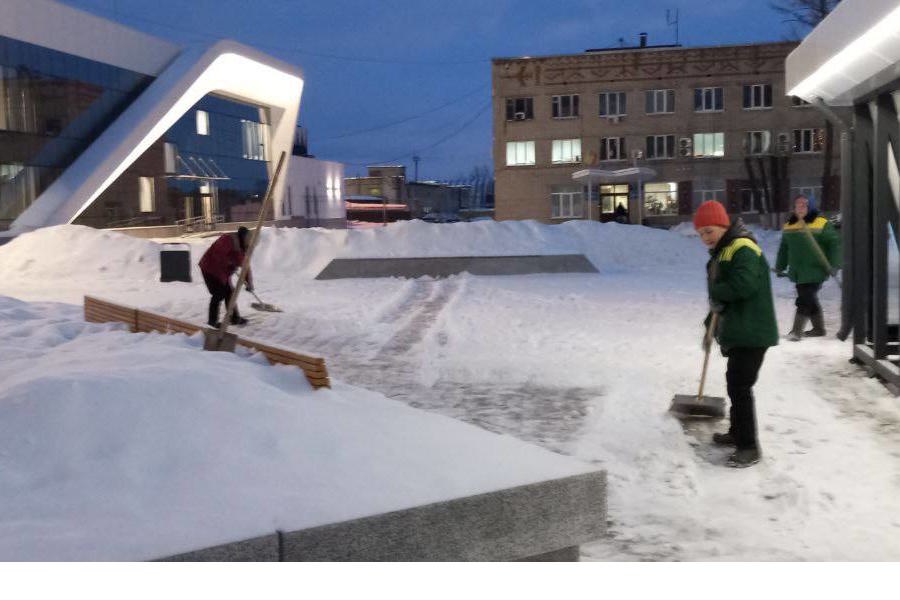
[[54, 105]]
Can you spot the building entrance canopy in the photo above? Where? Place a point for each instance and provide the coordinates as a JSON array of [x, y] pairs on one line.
[[600, 176], [595, 177]]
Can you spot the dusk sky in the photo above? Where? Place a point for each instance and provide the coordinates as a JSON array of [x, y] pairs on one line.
[[389, 79]]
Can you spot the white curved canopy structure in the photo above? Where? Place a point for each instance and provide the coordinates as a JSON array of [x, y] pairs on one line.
[[850, 54], [225, 68]]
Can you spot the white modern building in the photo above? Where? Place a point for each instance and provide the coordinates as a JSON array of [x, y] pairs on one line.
[[104, 125], [314, 196]]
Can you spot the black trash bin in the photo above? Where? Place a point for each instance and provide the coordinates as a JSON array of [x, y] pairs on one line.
[[175, 262]]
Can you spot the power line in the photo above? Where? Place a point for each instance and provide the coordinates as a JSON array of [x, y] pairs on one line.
[[430, 146], [405, 120]]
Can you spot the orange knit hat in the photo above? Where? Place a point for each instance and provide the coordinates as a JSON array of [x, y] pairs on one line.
[[711, 213]]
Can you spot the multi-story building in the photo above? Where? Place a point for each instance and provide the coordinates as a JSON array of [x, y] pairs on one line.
[[103, 125], [708, 123]]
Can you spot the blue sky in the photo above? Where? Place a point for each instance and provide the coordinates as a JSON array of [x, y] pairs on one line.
[[370, 64]]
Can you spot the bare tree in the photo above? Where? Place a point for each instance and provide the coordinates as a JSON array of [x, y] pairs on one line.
[[804, 14]]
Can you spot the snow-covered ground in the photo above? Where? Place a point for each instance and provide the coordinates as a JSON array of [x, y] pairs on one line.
[[584, 365]]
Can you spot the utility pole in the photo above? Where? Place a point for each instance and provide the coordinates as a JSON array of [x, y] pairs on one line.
[[416, 160]]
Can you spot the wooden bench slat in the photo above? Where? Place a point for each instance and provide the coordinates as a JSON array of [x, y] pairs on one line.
[[102, 311]]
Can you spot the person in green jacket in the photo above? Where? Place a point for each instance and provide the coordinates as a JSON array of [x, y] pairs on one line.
[[799, 259], [740, 291]]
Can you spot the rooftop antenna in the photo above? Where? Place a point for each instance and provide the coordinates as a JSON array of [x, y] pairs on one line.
[[672, 21]]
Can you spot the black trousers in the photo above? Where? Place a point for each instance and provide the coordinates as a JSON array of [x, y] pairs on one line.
[[743, 369], [220, 292], [807, 300]]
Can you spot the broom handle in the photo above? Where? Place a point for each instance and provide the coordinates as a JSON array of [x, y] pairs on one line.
[[708, 344], [246, 265], [820, 254]]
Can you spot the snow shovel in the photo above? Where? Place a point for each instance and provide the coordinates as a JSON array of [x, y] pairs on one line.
[[263, 306], [219, 340], [688, 405]]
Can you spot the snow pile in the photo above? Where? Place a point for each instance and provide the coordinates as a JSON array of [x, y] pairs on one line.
[[121, 446], [84, 254], [79, 252]]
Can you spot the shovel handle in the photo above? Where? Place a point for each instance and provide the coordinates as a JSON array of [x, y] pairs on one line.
[[708, 343]]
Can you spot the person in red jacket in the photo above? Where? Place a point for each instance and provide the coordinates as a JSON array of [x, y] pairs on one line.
[[218, 264]]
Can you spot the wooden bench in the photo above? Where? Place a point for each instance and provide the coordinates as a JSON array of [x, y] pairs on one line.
[[102, 311]]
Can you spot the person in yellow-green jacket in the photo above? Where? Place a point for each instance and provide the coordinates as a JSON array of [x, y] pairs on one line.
[[740, 292], [800, 260]]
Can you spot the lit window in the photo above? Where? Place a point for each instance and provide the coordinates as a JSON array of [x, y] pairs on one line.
[[146, 194], [709, 144], [202, 122], [519, 153], [566, 151], [661, 199]]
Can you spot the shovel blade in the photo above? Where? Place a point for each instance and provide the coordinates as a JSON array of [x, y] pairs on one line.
[[265, 307], [689, 405], [215, 340]]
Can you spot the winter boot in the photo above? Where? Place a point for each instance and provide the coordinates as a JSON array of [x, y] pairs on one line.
[[818, 326], [723, 439], [796, 333], [744, 457], [238, 320]]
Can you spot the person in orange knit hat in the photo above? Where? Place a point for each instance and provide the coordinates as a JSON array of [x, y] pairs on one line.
[[740, 291]]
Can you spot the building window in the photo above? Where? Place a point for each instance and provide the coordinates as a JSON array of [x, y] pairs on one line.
[[701, 196], [613, 195], [661, 199], [170, 152], [660, 101], [758, 142], [750, 202], [711, 99], [519, 109], [202, 122], [565, 202], [612, 104], [255, 137], [758, 96], [566, 151], [519, 153], [612, 148], [146, 194], [808, 191], [708, 145], [660, 146], [807, 141], [565, 107], [797, 101]]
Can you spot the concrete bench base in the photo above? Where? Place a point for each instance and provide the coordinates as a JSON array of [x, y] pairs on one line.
[[545, 521], [347, 268]]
